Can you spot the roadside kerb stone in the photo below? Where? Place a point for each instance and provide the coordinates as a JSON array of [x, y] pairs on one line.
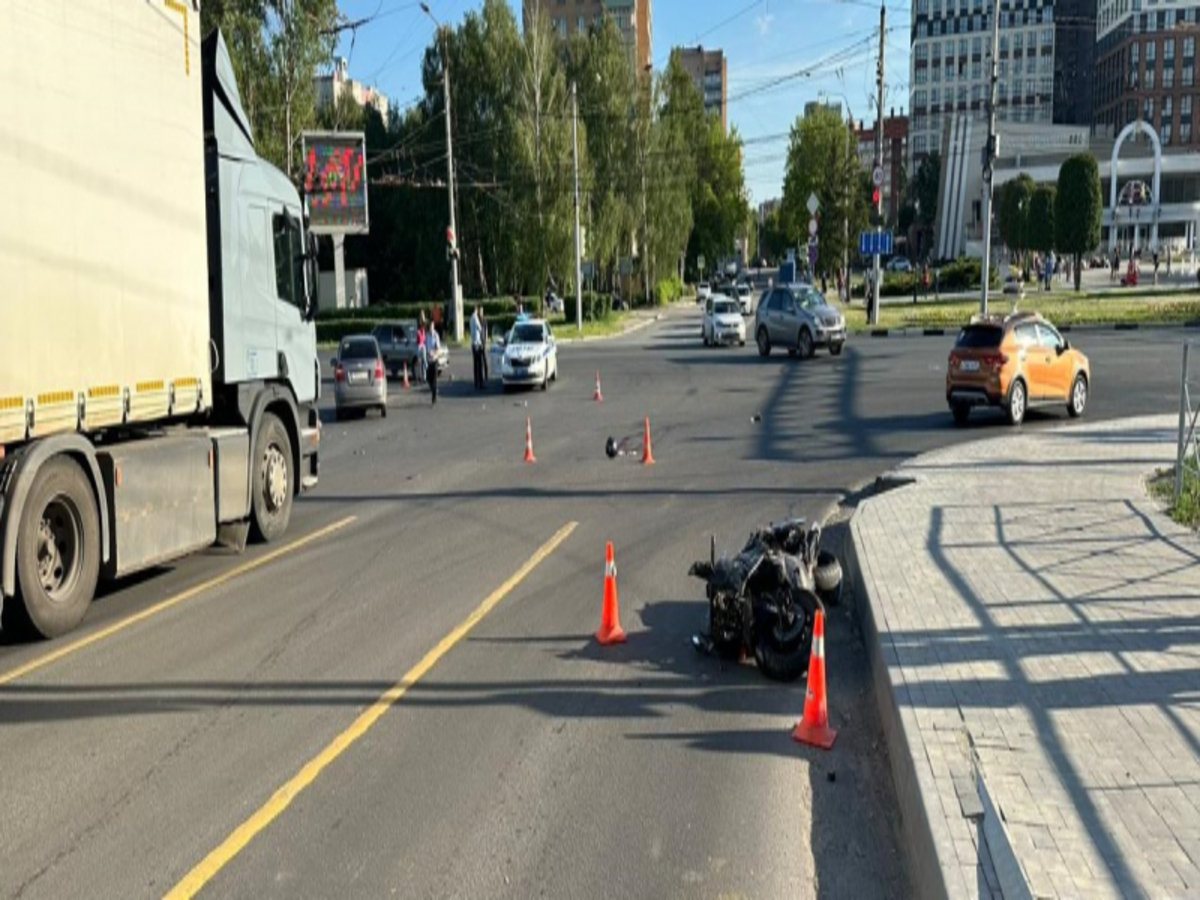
[[1033, 620]]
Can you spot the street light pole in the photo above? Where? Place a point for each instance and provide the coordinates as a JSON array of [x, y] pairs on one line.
[[578, 242], [455, 292], [989, 159], [877, 279]]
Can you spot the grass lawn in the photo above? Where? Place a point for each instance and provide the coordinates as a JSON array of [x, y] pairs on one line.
[[1187, 510], [1060, 310]]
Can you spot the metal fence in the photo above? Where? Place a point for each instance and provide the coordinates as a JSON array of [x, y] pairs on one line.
[[1187, 451]]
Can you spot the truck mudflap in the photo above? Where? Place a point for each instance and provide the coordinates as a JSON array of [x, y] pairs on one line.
[[310, 447]]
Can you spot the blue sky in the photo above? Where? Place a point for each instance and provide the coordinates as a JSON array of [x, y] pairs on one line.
[[763, 40]]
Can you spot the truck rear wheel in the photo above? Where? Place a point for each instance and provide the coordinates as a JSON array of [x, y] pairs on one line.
[[58, 551], [271, 472]]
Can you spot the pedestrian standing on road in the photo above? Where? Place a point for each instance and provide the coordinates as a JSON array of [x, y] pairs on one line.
[[1155, 258], [432, 344], [422, 352], [1116, 265], [1168, 260], [483, 323], [477, 348]]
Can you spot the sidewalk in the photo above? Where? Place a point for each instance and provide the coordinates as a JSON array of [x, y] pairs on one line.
[[1034, 622]]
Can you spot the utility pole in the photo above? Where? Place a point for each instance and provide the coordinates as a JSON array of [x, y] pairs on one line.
[[876, 280], [990, 152], [455, 292], [578, 242], [851, 147]]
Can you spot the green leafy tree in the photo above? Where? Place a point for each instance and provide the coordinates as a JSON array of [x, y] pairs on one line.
[[1041, 219], [924, 188], [276, 46], [719, 205], [598, 64], [1078, 208], [671, 166], [1013, 210], [823, 160]]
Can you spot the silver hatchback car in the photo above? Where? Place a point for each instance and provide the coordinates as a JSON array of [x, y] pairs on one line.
[[797, 317], [359, 377]]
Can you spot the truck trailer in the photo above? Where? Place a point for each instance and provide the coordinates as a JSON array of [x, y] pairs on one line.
[[158, 364]]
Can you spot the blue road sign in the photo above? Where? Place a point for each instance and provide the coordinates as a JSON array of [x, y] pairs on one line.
[[872, 242]]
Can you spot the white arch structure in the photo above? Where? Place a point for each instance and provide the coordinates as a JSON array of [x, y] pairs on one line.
[[1155, 200]]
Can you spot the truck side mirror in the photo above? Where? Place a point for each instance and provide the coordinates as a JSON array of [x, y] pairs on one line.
[[313, 277]]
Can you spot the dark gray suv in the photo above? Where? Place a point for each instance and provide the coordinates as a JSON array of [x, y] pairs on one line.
[[796, 316]]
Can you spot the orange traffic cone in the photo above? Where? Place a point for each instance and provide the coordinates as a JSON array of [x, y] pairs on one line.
[[407, 386], [610, 621], [814, 728], [647, 450], [529, 457], [598, 397]]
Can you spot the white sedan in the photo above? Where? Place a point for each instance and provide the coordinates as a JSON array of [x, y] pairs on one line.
[[723, 322], [530, 355]]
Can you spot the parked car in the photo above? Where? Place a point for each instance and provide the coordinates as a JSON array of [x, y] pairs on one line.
[[703, 291], [359, 381], [797, 317], [899, 264], [743, 297], [530, 355], [398, 343], [1015, 362], [722, 322]]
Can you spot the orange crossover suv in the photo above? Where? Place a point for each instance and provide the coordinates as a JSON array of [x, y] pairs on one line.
[[1015, 362]]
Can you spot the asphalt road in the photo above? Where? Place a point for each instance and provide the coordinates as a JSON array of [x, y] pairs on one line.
[[516, 758]]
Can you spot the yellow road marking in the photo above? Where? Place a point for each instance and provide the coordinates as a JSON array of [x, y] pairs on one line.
[[208, 868], [108, 631]]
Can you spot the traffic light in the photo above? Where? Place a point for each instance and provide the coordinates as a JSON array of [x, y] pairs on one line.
[[875, 195], [451, 245]]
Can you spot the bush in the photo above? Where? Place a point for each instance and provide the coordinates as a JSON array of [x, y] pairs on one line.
[[669, 290], [596, 307], [330, 331], [492, 307]]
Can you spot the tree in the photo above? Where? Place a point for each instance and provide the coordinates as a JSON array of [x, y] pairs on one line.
[[1078, 208], [672, 165], [719, 205], [923, 190], [823, 160], [1041, 219], [1013, 211], [276, 47]]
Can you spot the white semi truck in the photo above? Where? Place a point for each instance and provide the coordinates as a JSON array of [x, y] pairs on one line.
[[158, 362]]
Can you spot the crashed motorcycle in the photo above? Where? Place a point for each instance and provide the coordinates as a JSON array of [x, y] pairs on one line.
[[764, 600]]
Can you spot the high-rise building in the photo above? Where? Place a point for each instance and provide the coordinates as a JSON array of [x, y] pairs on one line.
[[338, 83], [895, 156], [710, 71], [633, 18], [1147, 67], [1074, 61], [951, 71]]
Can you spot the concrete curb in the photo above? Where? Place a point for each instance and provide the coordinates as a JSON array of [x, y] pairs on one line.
[[1112, 326], [920, 843]]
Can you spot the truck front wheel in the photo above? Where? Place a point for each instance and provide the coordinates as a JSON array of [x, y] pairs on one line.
[[271, 471], [58, 550]]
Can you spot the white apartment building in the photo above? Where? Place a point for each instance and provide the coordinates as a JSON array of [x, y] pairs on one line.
[[950, 66], [338, 82]]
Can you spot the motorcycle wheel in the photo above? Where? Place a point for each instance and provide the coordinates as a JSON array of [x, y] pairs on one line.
[[828, 578], [782, 653]]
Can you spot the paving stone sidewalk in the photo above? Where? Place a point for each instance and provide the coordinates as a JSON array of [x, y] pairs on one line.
[[1035, 624]]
